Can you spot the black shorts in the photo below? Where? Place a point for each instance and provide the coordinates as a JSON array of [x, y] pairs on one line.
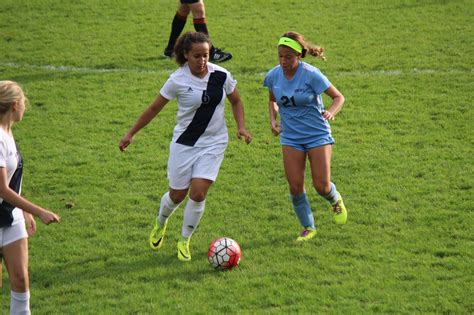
[[189, 1]]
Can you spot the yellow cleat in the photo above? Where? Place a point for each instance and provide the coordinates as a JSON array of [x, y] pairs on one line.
[[339, 211], [157, 235], [183, 250], [306, 235]]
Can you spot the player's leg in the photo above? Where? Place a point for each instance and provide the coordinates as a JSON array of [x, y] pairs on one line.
[[16, 261], [294, 161], [195, 205], [177, 26], [205, 171], [199, 21], [320, 161], [168, 204], [199, 16], [180, 166], [193, 213]]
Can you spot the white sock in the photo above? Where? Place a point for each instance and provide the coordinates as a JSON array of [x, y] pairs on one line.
[[167, 207], [20, 303], [192, 215]]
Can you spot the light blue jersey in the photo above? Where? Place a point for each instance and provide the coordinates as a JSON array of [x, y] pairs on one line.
[[300, 106]]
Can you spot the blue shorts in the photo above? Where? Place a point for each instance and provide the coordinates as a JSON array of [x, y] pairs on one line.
[[305, 147]]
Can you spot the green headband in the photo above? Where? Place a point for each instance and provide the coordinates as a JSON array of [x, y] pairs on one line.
[[293, 44]]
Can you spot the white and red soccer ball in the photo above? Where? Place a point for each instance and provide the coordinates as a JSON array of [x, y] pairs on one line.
[[224, 253]]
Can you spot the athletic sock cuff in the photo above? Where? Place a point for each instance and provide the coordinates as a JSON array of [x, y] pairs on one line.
[[297, 198], [181, 17], [20, 296], [199, 21], [197, 204]]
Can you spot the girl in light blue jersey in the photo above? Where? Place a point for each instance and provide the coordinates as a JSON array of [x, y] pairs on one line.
[[295, 91]]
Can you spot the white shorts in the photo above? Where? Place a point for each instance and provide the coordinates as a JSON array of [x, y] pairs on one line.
[[12, 233], [186, 163]]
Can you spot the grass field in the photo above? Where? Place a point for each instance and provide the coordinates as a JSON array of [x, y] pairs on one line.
[[403, 160]]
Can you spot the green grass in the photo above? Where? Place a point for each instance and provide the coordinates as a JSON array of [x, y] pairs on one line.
[[402, 160]]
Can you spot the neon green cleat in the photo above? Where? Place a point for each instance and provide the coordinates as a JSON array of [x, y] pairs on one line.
[[157, 235], [183, 250], [339, 211], [307, 234]]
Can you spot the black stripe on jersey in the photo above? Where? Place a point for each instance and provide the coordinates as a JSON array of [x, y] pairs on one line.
[[211, 97], [6, 209]]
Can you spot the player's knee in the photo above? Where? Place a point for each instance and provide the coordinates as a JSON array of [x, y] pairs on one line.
[[199, 15], [19, 280], [197, 196], [198, 12], [177, 196], [183, 10]]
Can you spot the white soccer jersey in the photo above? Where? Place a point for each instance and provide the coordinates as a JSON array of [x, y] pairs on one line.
[[200, 120], [10, 159]]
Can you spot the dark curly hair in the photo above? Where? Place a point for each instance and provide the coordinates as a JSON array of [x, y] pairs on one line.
[[185, 44]]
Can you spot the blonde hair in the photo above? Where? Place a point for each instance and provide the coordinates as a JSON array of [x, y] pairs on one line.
[[10, 92], [309, 48]]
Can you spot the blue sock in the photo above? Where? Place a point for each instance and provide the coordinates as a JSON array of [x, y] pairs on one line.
[[302, 210], [333, 195]]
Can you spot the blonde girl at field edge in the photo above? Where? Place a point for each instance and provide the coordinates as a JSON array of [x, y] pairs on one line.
[[200, 135], [295, 89], [15, 210]]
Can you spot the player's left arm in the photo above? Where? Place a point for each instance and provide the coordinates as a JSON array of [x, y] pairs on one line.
[[337, 102], [239, 116], [30, 223]]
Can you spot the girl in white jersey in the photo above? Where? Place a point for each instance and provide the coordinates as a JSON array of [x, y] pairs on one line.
[[295, 91], [15, 210], [200, 135]]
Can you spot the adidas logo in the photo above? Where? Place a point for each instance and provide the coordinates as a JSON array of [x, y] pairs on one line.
[[190, 89]]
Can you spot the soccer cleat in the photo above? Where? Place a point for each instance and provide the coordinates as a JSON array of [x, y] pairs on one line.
[[218, 55], [157, 235], [168, 53], [307, 234], [183, 250], [339, 211]]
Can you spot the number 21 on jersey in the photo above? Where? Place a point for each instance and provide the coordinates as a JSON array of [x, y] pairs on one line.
[[288, 101]]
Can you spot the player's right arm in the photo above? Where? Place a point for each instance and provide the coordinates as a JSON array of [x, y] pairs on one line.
[[148, 114], [273, 112]]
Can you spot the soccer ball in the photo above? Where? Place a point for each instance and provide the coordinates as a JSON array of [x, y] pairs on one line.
[[224, 253]]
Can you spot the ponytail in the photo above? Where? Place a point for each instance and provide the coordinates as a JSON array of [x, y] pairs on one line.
[[308, 48]]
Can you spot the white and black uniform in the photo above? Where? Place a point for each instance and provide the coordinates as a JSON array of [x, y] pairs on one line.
[[12, 226], [200, 136]]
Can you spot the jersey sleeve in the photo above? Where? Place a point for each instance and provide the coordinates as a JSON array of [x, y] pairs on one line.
[[229, 84], [169, 90], [3, 153], [319, 82], [268, 81]]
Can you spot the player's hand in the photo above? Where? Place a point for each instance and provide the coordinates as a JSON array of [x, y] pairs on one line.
[[328, 115], [125, 142], [49, 217], [30, 223], [275, 128], [242, 132]]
